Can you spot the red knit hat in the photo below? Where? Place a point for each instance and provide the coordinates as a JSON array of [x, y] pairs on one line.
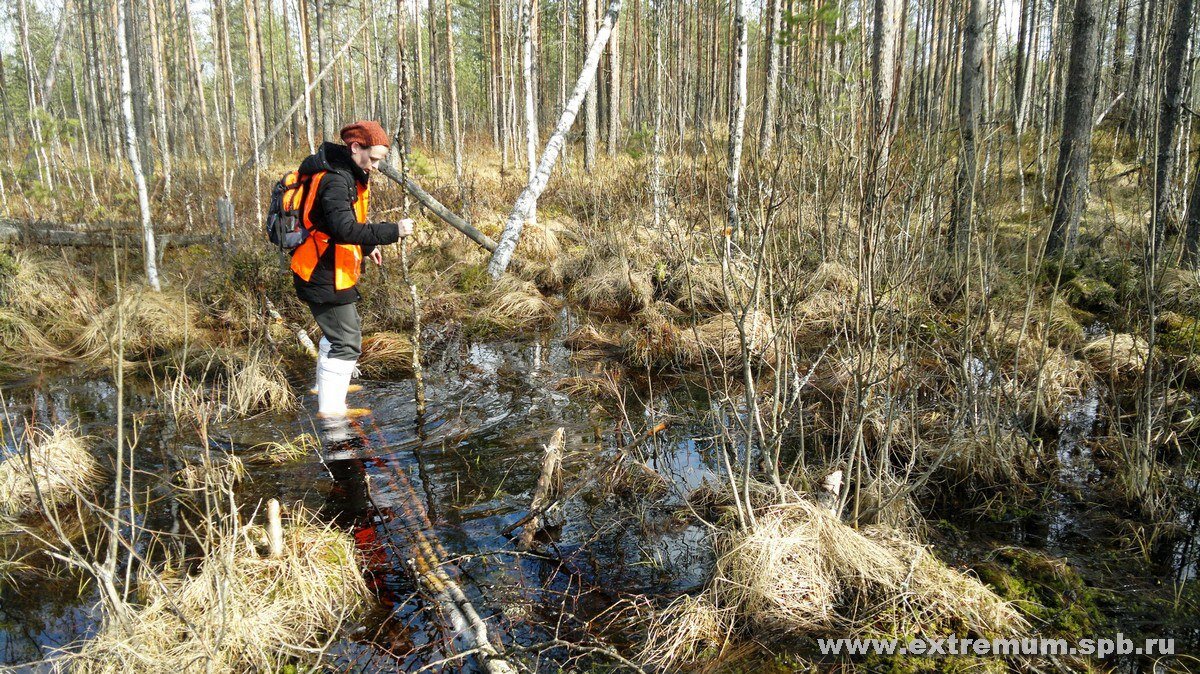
[[365, 132]]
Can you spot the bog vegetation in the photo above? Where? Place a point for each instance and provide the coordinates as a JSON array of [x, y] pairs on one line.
[[930, 264]]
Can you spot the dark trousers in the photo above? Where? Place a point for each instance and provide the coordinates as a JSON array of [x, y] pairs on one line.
[[341, 327]]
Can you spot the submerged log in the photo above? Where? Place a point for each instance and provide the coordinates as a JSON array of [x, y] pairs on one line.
[[591, 476], [549, 481], [426, 558]]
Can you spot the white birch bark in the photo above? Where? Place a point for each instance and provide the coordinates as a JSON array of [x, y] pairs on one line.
[[531, 127], [591, 112], [659, 111], [737, 116], [527, 202], [131, 147]]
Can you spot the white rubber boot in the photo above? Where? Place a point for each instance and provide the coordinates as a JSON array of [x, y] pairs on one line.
[[333, 380], [323, 347]]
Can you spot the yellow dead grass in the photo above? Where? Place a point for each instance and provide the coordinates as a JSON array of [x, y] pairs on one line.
[[798, 570], [54, 464], [241, 611]]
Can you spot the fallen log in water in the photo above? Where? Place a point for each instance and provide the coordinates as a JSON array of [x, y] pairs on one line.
[[548, 481], [591, 476], [425, 556]]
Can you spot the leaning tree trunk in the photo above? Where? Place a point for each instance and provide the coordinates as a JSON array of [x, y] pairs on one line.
[[737, 116], [1168, 121], [968, 121], [527, 202], [131, 147], [1075, 148]]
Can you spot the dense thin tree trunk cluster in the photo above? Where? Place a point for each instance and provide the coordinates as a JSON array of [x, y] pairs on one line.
[[217, 83]]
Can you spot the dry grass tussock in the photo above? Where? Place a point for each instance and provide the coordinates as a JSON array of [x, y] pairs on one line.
[[657, 341], [48, 293], [1181, 291], [654, 342], [154, 323], [23, 346], [827, 304], [1036, 374], [722, 337], [800, 571], [513, 304], [241, 384], [221, 473], [610, 277], [385, 355], [54, 464], [241, 611], [543, 241], [1120, 356], [986, 460], [700, 287], [299, 447]]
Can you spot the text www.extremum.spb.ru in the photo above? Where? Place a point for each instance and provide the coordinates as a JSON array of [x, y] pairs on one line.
[[1101, 647]]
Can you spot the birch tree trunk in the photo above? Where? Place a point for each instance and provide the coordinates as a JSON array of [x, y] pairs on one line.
[[614, 89], [455, 125], [254, 65], [1075, 149], [659, 111], [1191, 244], [766, 134], [1026, 59], [737, 116], [968, 119], [1168, 121], [31, 93], [531, 127], [160, 100], [306, 65], [200, 104], [527, 202], [883, 71], [131, 147], [590, 114]]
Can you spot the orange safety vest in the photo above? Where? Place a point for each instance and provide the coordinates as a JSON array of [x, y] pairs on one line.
[[347, 257]]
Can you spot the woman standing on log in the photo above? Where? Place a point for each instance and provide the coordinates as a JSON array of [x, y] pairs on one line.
[[326, 267]]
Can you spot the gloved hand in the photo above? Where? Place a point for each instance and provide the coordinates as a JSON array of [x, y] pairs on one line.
[[406, 227]]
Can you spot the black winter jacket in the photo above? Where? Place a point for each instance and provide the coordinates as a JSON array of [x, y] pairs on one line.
[[333, 214]]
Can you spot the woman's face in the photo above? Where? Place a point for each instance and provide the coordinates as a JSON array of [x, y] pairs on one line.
[[368, 158]]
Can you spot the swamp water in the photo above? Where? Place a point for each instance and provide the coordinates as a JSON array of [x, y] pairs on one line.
[[466, 471]]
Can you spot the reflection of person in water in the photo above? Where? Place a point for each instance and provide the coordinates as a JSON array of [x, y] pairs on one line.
[[348, 506]]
